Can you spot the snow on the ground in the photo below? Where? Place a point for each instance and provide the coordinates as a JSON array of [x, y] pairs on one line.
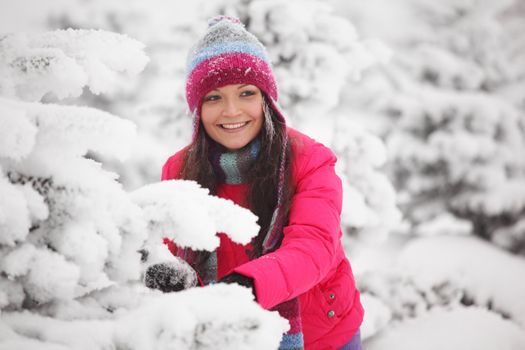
[[377, 315], [489, 275], [457, 329]]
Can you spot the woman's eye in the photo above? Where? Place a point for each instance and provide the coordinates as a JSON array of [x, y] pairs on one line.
[[247, 93], [211, 98]]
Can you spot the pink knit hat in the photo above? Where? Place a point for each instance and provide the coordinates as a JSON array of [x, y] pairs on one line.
[[227, 54]]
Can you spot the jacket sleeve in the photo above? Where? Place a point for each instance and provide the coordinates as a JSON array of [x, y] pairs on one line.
[[169, 172], [171, 169], [311, 239]]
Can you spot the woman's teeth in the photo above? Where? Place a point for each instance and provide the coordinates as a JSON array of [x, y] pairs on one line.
[[233, 126]]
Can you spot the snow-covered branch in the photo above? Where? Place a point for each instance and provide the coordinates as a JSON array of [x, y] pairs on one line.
[[62, 62], [186, 213]]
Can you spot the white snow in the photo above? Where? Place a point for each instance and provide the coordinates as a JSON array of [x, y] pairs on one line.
[[462, 328], [444, 223], [17, 134], [369, 199], [488, 275], [213, 317], [16, 262], [11, 294], [50, 276], [378, 315], [186, 213], [413, 292], [82, 129], [64, 61], [14, 213], [38, 209], [80, 242]]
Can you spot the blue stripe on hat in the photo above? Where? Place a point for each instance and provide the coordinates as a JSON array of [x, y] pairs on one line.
[[227, 47]]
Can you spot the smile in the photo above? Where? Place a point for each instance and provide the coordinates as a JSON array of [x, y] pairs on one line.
[[233, 126]]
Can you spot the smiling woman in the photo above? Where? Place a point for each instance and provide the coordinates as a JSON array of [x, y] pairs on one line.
[[233, 115], [242, 150]]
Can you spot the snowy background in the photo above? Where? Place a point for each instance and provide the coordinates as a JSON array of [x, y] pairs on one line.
[[423, 102]]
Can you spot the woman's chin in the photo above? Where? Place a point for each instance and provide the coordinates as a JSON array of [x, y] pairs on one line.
[[235, 141], [233, 146]]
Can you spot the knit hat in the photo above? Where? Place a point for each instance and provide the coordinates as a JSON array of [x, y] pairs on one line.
[[227, 54]]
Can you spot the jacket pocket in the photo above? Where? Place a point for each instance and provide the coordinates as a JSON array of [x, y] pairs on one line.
[[337, 293], [329, 301]]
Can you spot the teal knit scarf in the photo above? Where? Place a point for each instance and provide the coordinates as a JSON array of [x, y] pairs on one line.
[[232, 167]]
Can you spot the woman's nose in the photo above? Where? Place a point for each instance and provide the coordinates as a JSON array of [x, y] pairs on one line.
[[231, 108]]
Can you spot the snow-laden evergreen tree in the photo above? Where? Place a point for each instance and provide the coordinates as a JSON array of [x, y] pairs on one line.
[[457, 122], [458, 147], [450, 109], [72, 240], [67, 227]]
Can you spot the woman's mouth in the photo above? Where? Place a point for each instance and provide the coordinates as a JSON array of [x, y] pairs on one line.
[[233, 126]]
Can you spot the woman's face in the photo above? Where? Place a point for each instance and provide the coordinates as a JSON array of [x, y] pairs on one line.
[[233, 115]]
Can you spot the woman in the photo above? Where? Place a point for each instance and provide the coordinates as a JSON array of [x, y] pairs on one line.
[[242, 150]]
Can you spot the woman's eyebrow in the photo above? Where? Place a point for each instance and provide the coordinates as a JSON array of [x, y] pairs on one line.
[[243, 85]]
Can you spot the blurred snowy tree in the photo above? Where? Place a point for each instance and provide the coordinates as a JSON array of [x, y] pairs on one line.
[[449, 106], [453, 117]]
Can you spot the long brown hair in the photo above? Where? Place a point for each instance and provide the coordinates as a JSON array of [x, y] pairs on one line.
[[263, 178]]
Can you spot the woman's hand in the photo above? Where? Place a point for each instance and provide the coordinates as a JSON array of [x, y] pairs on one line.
[[170, 276], [241, 280]]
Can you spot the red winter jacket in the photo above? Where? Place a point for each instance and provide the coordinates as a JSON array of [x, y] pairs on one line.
[[310, 263]]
